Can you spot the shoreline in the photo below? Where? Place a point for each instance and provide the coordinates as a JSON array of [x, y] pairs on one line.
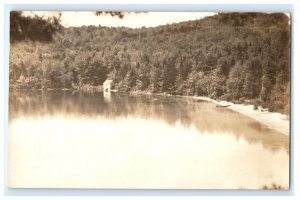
[[272, 120]]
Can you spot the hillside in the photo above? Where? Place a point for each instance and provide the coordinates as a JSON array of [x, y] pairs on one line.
[[229, 56]]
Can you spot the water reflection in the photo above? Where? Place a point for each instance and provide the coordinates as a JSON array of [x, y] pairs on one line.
[[171, 110], [136, 153], [107, 97]]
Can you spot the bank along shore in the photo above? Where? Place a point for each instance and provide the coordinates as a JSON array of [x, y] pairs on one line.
[[272, 120]]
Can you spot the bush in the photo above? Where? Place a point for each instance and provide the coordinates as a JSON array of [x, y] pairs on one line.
[[226, 97]]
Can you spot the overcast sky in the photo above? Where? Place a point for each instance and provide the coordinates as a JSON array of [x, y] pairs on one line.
[[150, 19]]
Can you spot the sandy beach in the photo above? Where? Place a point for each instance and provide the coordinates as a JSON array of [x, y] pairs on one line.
[[273, 120]]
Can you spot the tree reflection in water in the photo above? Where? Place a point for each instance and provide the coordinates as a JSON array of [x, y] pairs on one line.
[[171, 110]]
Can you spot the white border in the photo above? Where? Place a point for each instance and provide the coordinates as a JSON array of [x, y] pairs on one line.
[[254, 2]]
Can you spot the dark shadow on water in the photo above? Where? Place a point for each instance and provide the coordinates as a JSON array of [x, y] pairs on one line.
[[201, 114]]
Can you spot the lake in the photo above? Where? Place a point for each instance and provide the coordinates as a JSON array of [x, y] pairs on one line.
[[117, 140]]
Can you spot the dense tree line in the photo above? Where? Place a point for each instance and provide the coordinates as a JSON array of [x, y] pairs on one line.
[[231, 56]]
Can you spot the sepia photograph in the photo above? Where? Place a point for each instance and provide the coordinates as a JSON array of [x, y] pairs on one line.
[[149, 100]]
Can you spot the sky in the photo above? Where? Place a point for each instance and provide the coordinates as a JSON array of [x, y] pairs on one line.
[[132, 20]]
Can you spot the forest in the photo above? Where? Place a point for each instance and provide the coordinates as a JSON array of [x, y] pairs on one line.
[[238, 57]]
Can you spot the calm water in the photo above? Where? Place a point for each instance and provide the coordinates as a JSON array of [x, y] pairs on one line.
[[72, 139]]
